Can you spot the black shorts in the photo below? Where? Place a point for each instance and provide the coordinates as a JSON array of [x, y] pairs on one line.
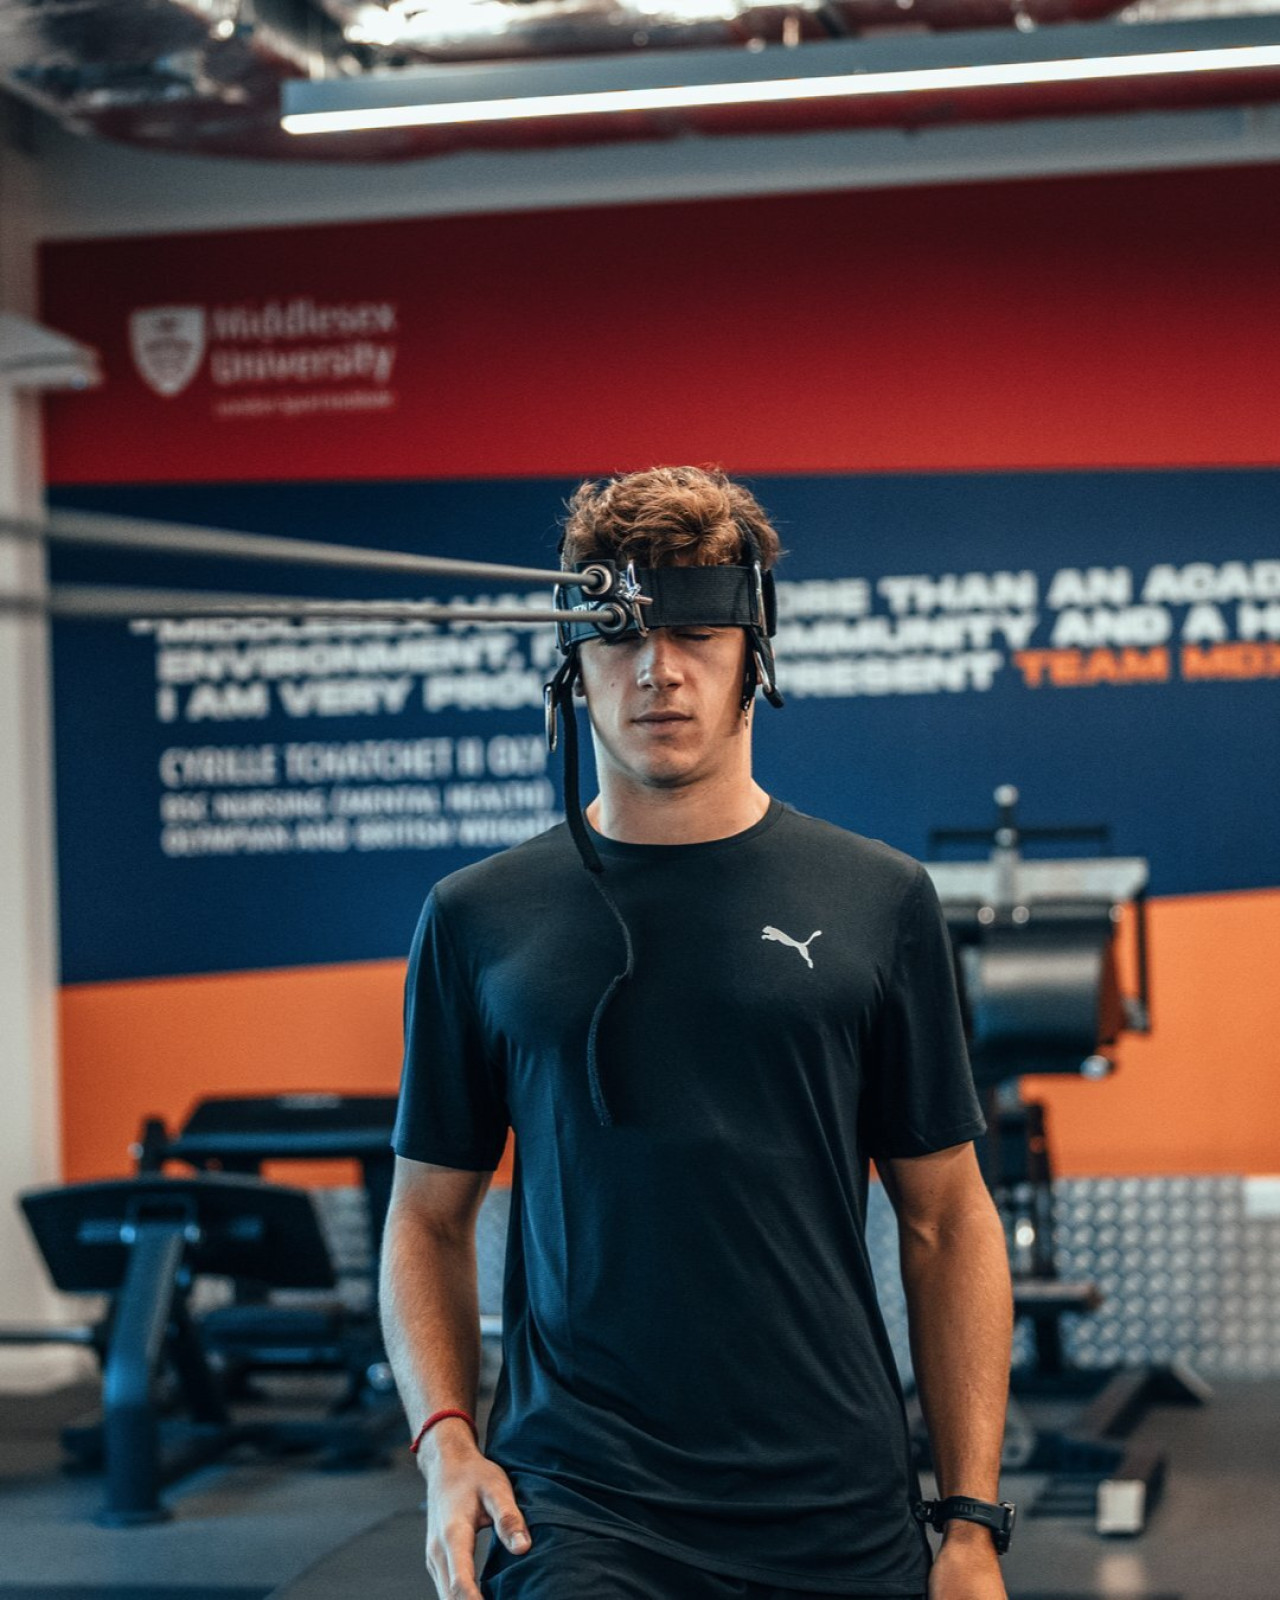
[[573, 1564]]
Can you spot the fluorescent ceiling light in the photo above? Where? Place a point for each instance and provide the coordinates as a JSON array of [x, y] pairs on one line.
[[845, 85]]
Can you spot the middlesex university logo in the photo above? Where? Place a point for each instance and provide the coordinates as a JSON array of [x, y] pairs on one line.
[[168, 346]]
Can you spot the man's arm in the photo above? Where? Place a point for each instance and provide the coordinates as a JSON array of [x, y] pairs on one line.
[[955, 1269], [431, 1326]]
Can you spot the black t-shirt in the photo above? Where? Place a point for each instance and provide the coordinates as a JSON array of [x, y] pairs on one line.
[[694, 1354]]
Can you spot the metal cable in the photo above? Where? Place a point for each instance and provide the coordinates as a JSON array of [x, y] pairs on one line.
[[109, 601], [173, 538]]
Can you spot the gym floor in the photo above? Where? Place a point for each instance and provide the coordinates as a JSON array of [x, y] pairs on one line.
[[249, 1530]]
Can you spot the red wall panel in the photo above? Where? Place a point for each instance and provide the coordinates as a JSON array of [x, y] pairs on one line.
[[1093, 322]]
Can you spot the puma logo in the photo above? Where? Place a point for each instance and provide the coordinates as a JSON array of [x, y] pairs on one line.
[[779, 937]]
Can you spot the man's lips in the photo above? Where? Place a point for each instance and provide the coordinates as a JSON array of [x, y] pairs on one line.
[[651, 717]]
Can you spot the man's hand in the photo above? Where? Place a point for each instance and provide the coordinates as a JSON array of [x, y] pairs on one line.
[[967, 1567], [465, 1492]]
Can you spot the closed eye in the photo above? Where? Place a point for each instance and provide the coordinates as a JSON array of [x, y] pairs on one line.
[[685, 635]]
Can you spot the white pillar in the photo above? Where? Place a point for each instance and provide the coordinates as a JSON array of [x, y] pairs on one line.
[[29, 1121]]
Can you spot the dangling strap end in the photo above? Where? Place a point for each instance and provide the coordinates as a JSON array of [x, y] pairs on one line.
[[554, 693]]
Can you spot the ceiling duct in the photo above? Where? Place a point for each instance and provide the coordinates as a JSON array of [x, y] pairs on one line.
[[206, 76], [493, 30], [175, 74], [501, 30]]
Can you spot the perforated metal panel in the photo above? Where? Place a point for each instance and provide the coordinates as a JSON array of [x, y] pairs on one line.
[[491, 1248], [1186, 1269], [344, 1221], [1189, 1267]]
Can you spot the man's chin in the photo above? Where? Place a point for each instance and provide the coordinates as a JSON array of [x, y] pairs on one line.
[[671, 773], [667, 778]]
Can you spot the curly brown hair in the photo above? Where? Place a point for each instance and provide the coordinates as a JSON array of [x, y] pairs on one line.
[[667, 516]]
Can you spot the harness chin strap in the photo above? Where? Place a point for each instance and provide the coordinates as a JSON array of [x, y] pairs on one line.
[[654, 598]]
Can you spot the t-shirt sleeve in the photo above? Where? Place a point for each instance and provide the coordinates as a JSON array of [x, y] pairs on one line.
[[452, 1110], [918, 1093]]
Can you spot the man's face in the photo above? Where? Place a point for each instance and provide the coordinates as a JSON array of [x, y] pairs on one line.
[[666, 709]]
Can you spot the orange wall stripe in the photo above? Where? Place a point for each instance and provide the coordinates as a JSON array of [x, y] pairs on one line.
[[1199, 1094], [152, 1048]]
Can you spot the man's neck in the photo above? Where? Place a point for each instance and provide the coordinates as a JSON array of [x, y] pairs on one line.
[[691, 815]]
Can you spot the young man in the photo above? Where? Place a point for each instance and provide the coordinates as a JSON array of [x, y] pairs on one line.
[[698, 1399]]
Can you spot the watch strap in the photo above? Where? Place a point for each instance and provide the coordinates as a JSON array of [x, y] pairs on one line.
[[999, 1517]]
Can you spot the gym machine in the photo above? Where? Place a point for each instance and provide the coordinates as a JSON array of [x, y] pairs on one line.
[[226, 1133], [144, 1242], [1036, 964], [240, 1134], [177, 1380]]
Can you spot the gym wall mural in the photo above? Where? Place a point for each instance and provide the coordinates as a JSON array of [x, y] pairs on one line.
[[1031, 525]]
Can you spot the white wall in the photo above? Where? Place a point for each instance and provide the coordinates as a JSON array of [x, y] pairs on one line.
[[28, 1053]]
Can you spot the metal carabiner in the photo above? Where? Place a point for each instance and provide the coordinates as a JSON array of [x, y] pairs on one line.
[[762, 615], [767, 684], [633, 598]]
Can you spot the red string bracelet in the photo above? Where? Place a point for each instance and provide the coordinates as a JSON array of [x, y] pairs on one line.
[[439, 1416]]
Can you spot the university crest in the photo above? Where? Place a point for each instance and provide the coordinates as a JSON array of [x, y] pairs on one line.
[[168, 346]]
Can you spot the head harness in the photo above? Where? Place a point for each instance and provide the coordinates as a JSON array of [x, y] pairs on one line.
[[628, 604]]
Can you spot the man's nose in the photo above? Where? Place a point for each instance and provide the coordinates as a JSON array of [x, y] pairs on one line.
[[658, 661]]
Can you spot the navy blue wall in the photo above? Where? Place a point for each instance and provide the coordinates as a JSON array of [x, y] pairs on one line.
[[1184, 772]]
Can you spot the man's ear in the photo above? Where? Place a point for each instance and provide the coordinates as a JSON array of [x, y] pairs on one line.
[[579, 689]]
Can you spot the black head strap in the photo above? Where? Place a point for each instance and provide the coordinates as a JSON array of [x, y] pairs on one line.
[[666, 597]]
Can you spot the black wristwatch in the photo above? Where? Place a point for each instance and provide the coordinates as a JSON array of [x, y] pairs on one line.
[[999, 1518]]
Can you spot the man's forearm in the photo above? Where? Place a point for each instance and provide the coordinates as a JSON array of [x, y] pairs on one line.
[[431, 1326], [960, 1309], [430, 1316]]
